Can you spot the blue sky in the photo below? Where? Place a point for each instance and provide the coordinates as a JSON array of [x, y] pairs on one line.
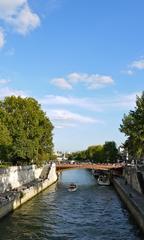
[[83, 60]]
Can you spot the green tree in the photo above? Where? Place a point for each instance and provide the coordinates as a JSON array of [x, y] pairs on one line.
[[95, 153], [133, 127], [29, 128], [5, 138], [77, 156], [110, 151], [5, 142]]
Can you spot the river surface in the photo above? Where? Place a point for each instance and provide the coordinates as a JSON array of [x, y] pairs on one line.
[[92, 212]]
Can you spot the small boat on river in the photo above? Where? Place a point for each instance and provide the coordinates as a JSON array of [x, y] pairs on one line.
[[72, 187], [103, 180]]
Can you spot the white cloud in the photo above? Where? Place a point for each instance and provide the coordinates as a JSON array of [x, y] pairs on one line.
[[135, 65], [86, 103], [67, 116], [4, 81], [128, 100], [128, 72], [66, 125], [91, 81], [2, 38], [18, 14], [58, 100], [59, 126], [4, 92], [61, 83], [96, 81], [62, 118], [9, 7], [26, 21], [76, 77], [119, 101], [10, 52], [138, 64]]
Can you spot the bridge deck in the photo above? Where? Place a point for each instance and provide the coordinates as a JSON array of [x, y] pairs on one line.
[[95, 166]]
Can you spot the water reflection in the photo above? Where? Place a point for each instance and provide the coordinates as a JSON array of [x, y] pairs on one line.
[[92, 212]]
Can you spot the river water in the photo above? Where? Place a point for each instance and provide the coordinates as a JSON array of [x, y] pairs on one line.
[[92, 212]]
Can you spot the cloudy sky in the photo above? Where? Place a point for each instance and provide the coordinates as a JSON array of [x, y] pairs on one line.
[[83, 60]]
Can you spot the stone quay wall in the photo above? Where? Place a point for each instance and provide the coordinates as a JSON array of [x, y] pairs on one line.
[[132, 199], [135, 178], [16, 176], [23, 194], [131, 177]]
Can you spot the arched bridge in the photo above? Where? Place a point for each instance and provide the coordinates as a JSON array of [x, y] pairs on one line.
[[96, 166]]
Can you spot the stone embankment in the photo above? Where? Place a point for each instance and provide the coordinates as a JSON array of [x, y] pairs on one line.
[[14, 194], [133, 199], [135, 177]]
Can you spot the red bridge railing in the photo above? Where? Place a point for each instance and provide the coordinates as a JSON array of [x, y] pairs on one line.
[[96, 166]]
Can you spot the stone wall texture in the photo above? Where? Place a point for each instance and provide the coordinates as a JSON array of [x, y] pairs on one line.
[[47, 172], [16, 176], [130, 174]]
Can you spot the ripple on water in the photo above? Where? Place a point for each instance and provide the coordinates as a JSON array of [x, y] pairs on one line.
[[91, 213]]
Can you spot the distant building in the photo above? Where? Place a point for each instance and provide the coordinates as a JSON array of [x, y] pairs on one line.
[[72, 162], [61, 156]]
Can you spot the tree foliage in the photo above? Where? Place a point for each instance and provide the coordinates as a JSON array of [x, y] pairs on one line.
[[133, 127], [5, 141], [110, 151], [97, 153], [27, 128]]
